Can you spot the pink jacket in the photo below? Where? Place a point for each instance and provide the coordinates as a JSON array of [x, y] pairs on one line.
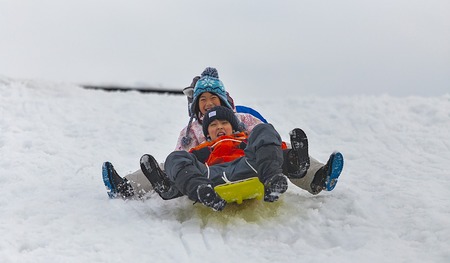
[[196, 131]]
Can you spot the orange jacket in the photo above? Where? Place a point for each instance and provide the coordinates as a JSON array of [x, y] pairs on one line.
[[223, 149]]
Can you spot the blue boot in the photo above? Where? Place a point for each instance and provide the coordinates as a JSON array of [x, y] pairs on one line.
[[116, 186], [327, 176]]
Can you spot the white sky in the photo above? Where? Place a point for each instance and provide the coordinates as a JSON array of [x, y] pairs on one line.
[[296, 47]]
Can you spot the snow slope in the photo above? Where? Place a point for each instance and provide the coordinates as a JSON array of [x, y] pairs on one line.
[[391, 204]]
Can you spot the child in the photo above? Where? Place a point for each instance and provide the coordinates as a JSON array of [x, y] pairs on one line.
[[228, 155]]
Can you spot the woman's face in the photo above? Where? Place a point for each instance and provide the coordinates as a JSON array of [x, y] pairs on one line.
[[208, 101], [219, 128]]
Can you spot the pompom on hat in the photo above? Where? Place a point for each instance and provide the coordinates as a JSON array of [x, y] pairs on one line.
[[209, 82], [220, 113]]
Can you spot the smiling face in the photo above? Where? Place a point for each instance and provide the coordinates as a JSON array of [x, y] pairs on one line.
[[219, 128], [208, 101]]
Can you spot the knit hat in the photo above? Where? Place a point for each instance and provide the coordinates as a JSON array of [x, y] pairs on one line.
[[209, 82], [220, 113]]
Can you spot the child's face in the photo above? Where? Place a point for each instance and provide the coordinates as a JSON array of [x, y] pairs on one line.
[[219, 128], [208, 101]]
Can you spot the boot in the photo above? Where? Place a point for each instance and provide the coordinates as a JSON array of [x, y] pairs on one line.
[[327, 176], [207, 196], [159, 180], [297, 158], [116, 186], [154, 174], [274, 187]]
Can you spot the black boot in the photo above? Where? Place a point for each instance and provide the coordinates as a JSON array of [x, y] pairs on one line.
[[159, 180], [207, 196], [274, 187], [297, 162], [115, 185]]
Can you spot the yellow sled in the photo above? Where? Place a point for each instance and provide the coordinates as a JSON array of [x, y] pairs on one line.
[[241, 190]]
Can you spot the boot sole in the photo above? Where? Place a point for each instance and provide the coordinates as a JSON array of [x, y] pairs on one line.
[[107, 180], [337, 164], [299, 143]]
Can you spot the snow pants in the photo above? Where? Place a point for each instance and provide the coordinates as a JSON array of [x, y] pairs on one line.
[[263, 158]]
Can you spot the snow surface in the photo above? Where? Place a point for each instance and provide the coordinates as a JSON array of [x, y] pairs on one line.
[[391, 204]]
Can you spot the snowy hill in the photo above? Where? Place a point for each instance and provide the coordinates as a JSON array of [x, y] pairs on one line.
[[391, 204]]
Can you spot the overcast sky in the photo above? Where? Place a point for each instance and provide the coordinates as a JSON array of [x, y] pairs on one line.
[[398, 47]]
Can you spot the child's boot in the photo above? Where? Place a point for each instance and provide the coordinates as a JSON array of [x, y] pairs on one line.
[[298, 158], [159, 180], [274, 187], [207, 196], [115, 185], [327, 176]]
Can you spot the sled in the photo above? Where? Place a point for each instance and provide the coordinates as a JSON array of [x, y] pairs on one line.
[[241, 190]]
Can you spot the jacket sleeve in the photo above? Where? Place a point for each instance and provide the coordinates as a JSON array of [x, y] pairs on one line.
[[195, 136], [249, 120]]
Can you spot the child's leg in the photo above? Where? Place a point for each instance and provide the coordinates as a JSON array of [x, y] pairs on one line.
[[141, 185], [321, 176], [264, 154], [186, 172], [263, 151], [191, 178], [305, 182]]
